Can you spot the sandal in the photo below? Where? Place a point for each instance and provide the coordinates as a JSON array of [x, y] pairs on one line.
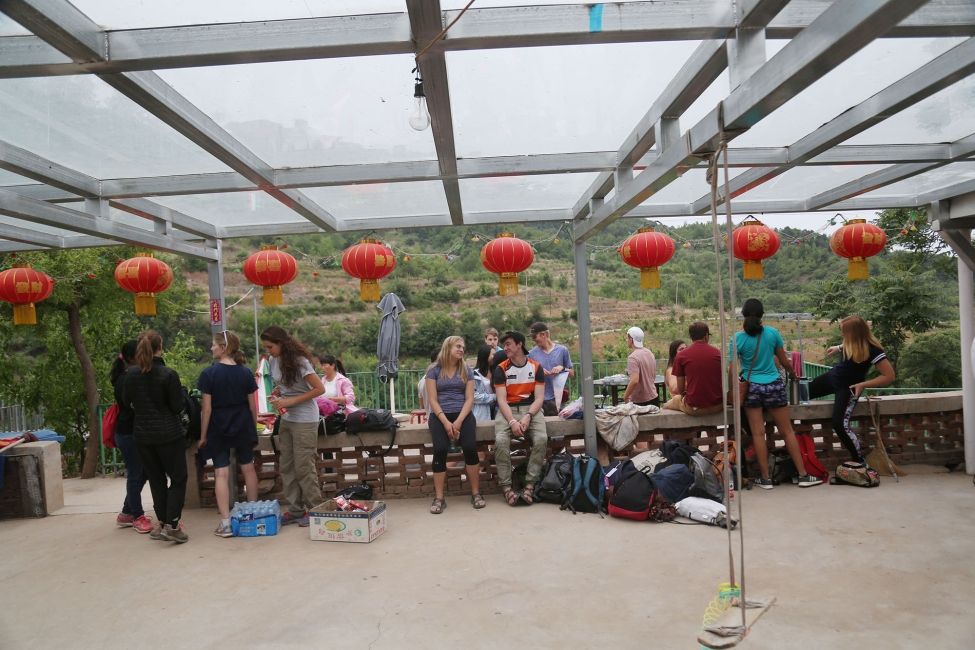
[[528, 494], [437, 506], [510, 496], [478, 501]]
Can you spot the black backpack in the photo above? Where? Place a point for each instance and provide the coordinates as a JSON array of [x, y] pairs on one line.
[[556, 479], [372, 420], [632, 494], [332, 425], [707, 479], [191, 414], [587, 491]]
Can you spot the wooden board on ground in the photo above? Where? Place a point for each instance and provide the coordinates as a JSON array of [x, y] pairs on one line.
[[732, 618]]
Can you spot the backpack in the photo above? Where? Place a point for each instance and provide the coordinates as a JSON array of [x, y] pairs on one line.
[[191, 415], [858, 474], [632, 494], [587, 490], [781, 468], [109, 420], [332, 425], [556, 479], [372, 420], [672, 482], [358, 491], [707, 480]]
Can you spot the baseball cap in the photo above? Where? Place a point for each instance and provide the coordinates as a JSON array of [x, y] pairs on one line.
[[538, 327], [636, 334]]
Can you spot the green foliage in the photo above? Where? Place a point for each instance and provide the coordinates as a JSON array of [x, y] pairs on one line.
[[931, 361]]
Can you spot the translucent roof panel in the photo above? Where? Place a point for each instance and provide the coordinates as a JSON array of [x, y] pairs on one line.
[[308, 113], [381, 199], [37, 227], [688, 188], [10, 178], [945, 116], [231, 208], [481, 4], [505, 193], [806, 182], [84, 124], [136, 14], [864, 74], [556, 99], [9, 27], [933, 180]]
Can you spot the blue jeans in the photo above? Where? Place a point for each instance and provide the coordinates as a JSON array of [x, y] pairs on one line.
[[135, 475]]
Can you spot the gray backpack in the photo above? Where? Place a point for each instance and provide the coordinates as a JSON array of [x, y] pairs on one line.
[[707, 478]]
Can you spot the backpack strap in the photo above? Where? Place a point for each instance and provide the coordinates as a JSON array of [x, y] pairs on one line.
[[576, 486], [591, 465]]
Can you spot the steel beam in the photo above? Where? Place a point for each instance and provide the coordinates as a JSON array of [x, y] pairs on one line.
[[841, 30], [23, 162], [153, 211], [49, 214], [425, 22]]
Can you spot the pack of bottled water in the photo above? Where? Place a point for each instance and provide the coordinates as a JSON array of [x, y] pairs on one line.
[[255, 518]]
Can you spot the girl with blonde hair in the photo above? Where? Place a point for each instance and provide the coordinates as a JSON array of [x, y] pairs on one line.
[[847, 380], [450, 394]]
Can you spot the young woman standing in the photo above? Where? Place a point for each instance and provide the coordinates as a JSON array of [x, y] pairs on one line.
[[848, 378], [155, 395], [450, 392], [132, 515], [296, 387], [227, 421]]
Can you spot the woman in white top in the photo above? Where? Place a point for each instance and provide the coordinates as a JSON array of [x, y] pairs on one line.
[[338, 387], [484, 397]]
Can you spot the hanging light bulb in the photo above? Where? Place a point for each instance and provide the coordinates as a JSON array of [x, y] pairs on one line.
[[420, 116]]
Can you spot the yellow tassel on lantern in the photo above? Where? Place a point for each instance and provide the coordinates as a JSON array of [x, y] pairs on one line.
[[650, 278], [369, 290], [272, 296], [753, 270], [145, 304], [857, 269], [507, 284], [25, 314]]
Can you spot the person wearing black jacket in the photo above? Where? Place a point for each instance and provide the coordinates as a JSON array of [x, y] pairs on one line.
[[132, 515], [155, 395]]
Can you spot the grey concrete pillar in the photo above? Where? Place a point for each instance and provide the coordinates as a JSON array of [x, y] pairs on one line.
[[966, 307]]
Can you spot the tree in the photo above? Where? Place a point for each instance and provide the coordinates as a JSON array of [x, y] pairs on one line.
[[932, 360], [912, 232]]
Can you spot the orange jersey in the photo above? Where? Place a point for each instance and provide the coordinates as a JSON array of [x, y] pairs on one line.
[[519, 381]]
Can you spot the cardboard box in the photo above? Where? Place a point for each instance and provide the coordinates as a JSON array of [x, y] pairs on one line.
[[329, 524]]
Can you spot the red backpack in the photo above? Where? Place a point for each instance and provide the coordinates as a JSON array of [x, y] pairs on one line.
[[807, 448], [109, 419]]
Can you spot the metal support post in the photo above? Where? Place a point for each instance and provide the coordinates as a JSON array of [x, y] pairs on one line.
[[966, 308], [215, 285], [585, 345]]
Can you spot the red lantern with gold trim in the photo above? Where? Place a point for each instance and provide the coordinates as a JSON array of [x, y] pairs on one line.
[[858, 240], [370, 261], [145, 276], [646, 250], [270, 268], [22, 286], [507, 256], [753, 242]]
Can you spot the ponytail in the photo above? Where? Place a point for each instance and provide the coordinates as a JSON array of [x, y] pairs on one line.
[[333, 360], [752, 311], [149, 344], [231, 346]]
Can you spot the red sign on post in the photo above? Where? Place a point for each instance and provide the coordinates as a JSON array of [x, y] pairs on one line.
[[216, 313]]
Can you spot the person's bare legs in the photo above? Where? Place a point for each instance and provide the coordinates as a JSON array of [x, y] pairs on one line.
[[756, 422], [474, 478], [250, 480], [221, 490], [784, 424]]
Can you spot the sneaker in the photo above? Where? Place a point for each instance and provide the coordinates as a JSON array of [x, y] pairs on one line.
[[123, 520], [289, 518], [156, 532], [223, 530], [809, 481], [142, 525], [764, 483], [303, 521], [175, 534]]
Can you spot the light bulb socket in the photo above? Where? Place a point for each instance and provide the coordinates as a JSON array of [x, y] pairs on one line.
[[418, 89]]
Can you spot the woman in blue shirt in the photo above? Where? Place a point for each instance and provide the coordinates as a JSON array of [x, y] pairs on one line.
[[227, 421], [757, 347]]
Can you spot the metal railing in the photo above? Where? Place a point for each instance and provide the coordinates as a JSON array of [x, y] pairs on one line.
[[14, 417]]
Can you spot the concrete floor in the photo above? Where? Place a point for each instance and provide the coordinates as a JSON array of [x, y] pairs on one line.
[[885, 568]]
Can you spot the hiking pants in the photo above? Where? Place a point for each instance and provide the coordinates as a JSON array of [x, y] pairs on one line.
[[441, 441], [502, 447], [160, 462], [843, 405], [298, 445]]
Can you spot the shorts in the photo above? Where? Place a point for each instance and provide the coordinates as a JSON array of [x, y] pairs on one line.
[[218, 448], [770, 396]]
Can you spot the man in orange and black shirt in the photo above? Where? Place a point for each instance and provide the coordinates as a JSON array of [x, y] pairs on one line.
[[519, 383]]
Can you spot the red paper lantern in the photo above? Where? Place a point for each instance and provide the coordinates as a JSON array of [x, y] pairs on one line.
[[753, 242], [22, 286], [507, 256], [646, 250], [270, 268], [145, 276], [858, 240], [370, 261]]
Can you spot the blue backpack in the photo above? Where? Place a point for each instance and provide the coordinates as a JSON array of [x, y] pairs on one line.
[[587, 491]]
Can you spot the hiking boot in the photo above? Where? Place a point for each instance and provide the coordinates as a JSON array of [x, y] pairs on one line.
[[303, 521], [123, 520], [289, 518], [175, 534], [142, 525], [764, 483], [223, 530], [809, 481], [156, 532]]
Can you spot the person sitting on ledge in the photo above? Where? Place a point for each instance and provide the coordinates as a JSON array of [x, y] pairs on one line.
[[519, 383], [697, 369]]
